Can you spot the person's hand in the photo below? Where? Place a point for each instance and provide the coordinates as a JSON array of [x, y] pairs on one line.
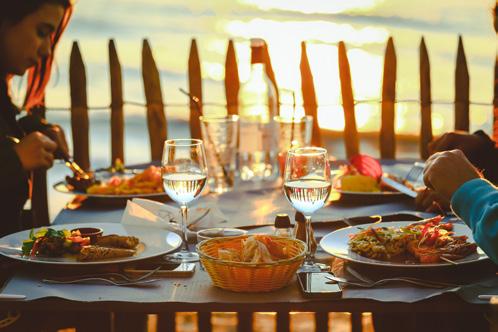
[[430, 201], [446, 171], [36, 151], [56, 133], [457, 140]]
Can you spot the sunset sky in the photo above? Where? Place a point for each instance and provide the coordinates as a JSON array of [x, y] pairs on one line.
[[364, 25]]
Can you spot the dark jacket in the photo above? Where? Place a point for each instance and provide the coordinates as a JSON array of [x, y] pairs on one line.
[[485, 157], [14, 186]]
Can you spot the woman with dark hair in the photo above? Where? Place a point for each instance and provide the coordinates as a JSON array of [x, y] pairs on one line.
[[29, 32]]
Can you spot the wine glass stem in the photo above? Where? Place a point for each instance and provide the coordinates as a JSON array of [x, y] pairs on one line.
[[309, 243], [184, 210]]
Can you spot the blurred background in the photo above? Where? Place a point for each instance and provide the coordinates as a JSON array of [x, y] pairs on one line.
[[364, 25]]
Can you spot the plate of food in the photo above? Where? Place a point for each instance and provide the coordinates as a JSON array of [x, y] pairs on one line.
[[426, 243], [116, 183], [69, 244], [362, 176]]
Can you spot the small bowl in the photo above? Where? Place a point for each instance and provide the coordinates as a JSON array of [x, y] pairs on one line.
[[210, 233], [92, 232]]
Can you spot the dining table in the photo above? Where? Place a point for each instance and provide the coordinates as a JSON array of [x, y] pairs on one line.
[[254, 209]]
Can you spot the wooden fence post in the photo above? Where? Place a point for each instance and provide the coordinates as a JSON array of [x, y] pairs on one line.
[[461, 89], [425, 101], [195, 89], [387, 130], [79, 108], [156, 120], [350, 132], [309, 96], [232, 81], [117, 120]]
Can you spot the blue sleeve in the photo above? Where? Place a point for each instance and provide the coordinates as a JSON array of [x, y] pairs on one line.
[[476, 203]]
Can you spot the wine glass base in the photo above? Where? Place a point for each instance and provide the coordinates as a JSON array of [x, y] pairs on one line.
[[182, 257]]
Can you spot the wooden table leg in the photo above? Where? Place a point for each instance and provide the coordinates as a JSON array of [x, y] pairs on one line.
[[321, 321], [356, 324], [244, 321], [166, 322], [204, 322]]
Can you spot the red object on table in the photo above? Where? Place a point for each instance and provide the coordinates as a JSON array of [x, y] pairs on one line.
[[367, 165]]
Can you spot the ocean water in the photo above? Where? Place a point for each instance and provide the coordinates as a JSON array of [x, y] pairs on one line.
[[364, 25]]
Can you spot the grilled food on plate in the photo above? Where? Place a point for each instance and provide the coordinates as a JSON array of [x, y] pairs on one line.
[[428, 241], [96, 253]]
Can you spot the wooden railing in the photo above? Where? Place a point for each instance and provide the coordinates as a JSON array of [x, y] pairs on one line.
[[157, 121]]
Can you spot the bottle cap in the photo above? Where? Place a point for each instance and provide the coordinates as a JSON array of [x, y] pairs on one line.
[[282, 220], [299, 217], [257, 48], [257, 42]]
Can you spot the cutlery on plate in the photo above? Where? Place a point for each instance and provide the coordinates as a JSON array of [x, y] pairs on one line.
[[487, 296], [105, 280], [399, 186], [12, 297], [113, 276], [413, 281]]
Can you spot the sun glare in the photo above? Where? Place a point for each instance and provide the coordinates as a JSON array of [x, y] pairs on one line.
[[313, 6]]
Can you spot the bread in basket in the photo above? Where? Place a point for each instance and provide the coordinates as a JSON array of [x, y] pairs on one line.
[[241, 276]]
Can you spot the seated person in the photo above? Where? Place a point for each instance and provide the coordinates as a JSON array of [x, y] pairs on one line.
[[473, 199], [479, 149]]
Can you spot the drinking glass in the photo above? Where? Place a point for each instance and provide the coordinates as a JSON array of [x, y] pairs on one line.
[[307, 186], [184, 172], [220, 134]]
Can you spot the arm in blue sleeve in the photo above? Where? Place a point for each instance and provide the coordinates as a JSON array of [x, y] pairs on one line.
[[476, 203]]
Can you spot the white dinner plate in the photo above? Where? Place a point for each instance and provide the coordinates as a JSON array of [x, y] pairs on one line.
[[336, 244], [103, 176], [153, 242]]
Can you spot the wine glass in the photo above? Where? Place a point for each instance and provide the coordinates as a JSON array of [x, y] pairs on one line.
[[307, 186], [184, 172]]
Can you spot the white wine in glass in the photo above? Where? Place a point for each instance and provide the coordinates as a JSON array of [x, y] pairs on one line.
[[184, 171], [307, 186]]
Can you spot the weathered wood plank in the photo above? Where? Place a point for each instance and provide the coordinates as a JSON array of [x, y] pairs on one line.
[[425, 101], [117, 118], [387, 130], [195, 89], [350, 132], [79, 108], [461, 89], [166, 322], [321, 321], [232, 81], [244, 321], [156, 119], [283, 321], [204, 322], [271, 74], [309, 95]]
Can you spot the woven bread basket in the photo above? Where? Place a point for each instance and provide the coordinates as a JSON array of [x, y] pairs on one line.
[[251, 277]]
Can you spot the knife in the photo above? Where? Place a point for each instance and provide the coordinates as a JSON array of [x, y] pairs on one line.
[[398, 186]]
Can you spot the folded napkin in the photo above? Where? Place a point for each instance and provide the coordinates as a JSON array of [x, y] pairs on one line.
[[144, 212]]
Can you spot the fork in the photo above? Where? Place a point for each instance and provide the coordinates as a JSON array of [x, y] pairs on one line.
[[109, 281], [114, 275], [414, 281], [414, 173]]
